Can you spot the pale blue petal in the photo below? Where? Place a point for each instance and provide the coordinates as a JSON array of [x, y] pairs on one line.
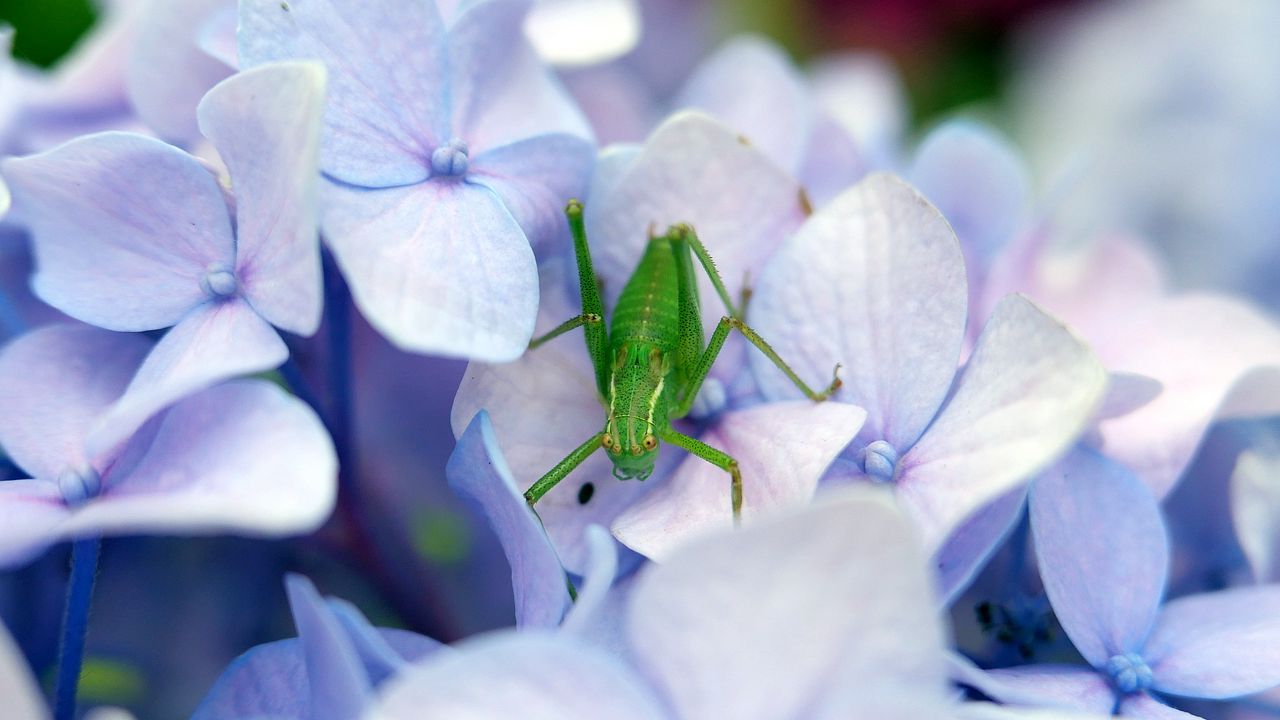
[[969, 548], [440, 267], [478, 472], [168, 71], [216, 341], [1145, 706], [265, 124], [589, 605], [125, 228], [536, 178], [32, 512], [337, 686], [873, 281], [387, 106], [1102, 551], [55, 382], [1218, 645], [1026, 394], [1060, 686], [269, 681]]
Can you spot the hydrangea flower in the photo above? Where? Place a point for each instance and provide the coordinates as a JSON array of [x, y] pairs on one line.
[[447, 149], [242, 456], [133, 234]]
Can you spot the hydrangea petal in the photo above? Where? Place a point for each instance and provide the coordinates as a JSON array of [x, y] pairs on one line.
[[337, 686], [865, 94], [1218, 645], [265, 123], [32, 512], [441, 267], [244, 456], [531, 675], [1145, 706], [124, 227], [837, 591], [216, 341], [268, 681], [500, 91], [583, 32], [874, 281], [1255, 510], [384, 112], [969, 548], [1060, 686], [55, 382], [694, 170], [535, 179], [18, 687], [597, 581], [478, 471], [1127, 392], [168, 71], [782, 450], [1102, 552], [1026, 394], [751, 86]]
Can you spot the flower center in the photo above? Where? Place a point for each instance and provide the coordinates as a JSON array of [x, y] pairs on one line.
[[78, 485], [450, 159], [220, 282], [879, 460], [1129, 673]]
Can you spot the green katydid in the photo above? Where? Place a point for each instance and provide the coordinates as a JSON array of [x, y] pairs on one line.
[[651, 363]]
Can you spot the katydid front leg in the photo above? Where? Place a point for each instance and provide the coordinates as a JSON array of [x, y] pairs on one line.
[[716, 457], [562, 470]]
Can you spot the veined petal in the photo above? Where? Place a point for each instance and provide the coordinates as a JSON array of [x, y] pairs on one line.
[[693, 170], [1026, 394], [388, 103], [440, 267], [168, 71], [1102, 551], [751, 86], [530, 675], [244, 456], [536, 178], [1218, 645], [782, 450], [55, 382], [17, 685], [874, 281], [478, 472], [265, 123], [837, 592], [214, 342], [124, 227]]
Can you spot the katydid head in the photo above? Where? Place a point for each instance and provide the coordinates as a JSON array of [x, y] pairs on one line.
[[637, 408], [633, 453]]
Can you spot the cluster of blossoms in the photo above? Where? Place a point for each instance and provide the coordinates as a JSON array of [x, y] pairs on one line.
[[1045, 487]]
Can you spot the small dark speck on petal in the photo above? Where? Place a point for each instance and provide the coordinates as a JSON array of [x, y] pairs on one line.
[[585, 492]]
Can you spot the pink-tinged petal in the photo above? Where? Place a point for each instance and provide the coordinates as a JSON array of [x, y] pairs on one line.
[[440, 267], [1255, 510], [865, 95], [968, 549], [168, 71], [554, 387], [1145, 706], [873, 281], [1218, 645], [1058, 686], [1208, 352], [837, 593], [832, 162], [620, 106], [583, 32], [32, 511], [265, 123], [529, 675], [18, 686], [125, 228], [535, 179], [479, 473], [991, 711], [500, 91], [597, 581], [386, 108], [751, 86], [55, 382], [693, 170], [214, 342], [782, 450], [1027, 392], [216, 35], [1102, 551], [244, 457]]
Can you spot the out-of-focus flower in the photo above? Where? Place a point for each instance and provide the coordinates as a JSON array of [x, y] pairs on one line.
[[328, 672], [17, 686], [241, 456], [132, 234], [448, 150]]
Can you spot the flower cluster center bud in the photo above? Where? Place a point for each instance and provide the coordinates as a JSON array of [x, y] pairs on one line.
[[220, 282], [880, 460], [1129, 673], [78, 485], [450, 159]]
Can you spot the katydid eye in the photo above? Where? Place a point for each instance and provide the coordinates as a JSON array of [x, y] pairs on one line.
[[650, 442], [607, 441]]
